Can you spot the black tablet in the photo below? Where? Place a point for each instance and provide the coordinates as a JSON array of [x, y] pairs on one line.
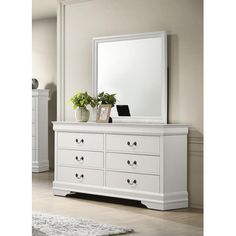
[[123, 110]]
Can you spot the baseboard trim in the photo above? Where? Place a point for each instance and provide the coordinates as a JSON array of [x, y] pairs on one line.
[[40, 166], [197, 206]]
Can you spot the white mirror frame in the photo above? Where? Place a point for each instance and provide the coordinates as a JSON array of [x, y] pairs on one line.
[[135, 119]]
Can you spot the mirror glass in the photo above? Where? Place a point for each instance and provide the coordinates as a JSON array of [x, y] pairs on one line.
[[134, 68]]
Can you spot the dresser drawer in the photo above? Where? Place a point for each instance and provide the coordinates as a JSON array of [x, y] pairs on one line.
[[33, 103], [80, 176], [80, 141], [136, 182], [133, 163], [33, 130], [33, 142], [33, 155], [33, 117], [80, 158], [134, 144]]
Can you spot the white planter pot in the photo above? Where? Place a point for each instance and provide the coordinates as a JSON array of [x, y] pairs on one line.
[[82, 114], [93, 116]]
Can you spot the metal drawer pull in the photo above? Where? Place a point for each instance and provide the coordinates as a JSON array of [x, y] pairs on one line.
[[77, 176], [81, 158], [132, 164], [131, 145], [129, 182], [79, 142]]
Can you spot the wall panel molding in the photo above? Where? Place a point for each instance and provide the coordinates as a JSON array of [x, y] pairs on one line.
[[61, 5], [60, 60], [195, 169]]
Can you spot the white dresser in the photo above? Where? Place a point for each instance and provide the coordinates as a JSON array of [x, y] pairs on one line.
[[40, 130], [144, 162]]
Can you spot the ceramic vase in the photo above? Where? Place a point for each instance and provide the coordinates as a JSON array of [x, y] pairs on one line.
[[94, 114], [82, 114]]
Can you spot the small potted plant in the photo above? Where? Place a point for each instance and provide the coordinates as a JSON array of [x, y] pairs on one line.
[[106, 98], [94, 104], [80, 102]]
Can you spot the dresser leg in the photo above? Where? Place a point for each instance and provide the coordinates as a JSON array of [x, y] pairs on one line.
[[62, 193], [167, 205], [153, 205]]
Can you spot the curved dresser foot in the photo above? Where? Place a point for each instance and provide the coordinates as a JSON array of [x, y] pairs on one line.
[[166, 206], [62, 193], [153, 205]]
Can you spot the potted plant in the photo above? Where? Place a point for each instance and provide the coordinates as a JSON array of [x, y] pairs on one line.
[[102, 98], [94, 104], [80, 101], [106, 98]]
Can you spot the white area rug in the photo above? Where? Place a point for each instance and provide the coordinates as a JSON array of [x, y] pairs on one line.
[[55, 225]]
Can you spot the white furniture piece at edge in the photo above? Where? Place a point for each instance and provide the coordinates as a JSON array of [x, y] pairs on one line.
[[40, 130], [145, 162]]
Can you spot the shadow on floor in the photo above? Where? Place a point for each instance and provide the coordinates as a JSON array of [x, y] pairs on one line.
[[105, 199]]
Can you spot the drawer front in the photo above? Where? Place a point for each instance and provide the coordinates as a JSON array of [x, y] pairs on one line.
[[33, 155], [133, 163], [33, 142], [80, 141], [33, 117], [136, 182], [33, 130], [80, 176], [33, 103], [134, 144], [80, 158]]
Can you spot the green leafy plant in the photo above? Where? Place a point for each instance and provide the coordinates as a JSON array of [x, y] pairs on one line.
[[81, 100], [94, 102], [106, 98]]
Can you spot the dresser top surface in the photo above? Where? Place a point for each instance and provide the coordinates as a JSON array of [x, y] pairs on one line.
[[40, 92], [118, 123], [75, 123]]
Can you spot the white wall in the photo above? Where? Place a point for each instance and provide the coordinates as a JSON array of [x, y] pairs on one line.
[[44, 51], [44, 68]]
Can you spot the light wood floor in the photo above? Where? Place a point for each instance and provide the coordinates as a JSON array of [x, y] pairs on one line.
[[184, 222]]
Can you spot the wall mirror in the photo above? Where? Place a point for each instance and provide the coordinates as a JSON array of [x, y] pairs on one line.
[[135, 68]]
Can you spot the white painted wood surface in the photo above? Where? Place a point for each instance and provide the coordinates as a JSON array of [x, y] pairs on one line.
[[142, 164], [133, 143], [101, 70], [81, 141], [83, 159], [80, 176], [137, 182], [40, 130], [33, 129], [158, 178]]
